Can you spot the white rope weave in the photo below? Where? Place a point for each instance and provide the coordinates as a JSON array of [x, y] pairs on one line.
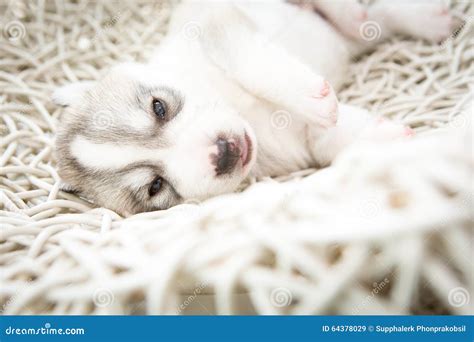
[[386, 230]]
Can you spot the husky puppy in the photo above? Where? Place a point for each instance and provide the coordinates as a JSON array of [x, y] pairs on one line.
[[235, 89]]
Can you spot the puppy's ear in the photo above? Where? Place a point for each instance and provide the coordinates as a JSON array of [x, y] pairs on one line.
[[71, 94]]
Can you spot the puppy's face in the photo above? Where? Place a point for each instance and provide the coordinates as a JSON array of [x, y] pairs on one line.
[[142, 139]]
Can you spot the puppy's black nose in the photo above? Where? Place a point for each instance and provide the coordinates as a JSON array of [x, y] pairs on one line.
[[228, 154]]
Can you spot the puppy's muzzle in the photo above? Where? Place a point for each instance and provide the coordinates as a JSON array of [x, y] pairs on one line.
[[228, 154]]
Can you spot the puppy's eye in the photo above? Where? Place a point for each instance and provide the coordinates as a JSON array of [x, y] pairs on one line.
[[159, 109], [155, 186]]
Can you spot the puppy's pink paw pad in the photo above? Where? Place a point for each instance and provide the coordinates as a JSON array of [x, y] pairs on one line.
[[409, 132], [323, 104], [351, 20], [326, 89], [438, 25], [362, 15], [386, 130], [442, 10]]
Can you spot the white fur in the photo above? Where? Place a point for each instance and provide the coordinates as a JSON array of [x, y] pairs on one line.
[[109, 156]]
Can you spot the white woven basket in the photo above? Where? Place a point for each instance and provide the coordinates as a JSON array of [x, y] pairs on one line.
[[386, 229]]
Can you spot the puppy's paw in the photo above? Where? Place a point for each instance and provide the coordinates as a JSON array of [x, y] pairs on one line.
[[436, 23], [350, 19], [428, 20], [320, 104], [385, 130]]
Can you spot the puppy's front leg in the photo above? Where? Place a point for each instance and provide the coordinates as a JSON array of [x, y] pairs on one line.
[[230, 40], [355, 124]]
